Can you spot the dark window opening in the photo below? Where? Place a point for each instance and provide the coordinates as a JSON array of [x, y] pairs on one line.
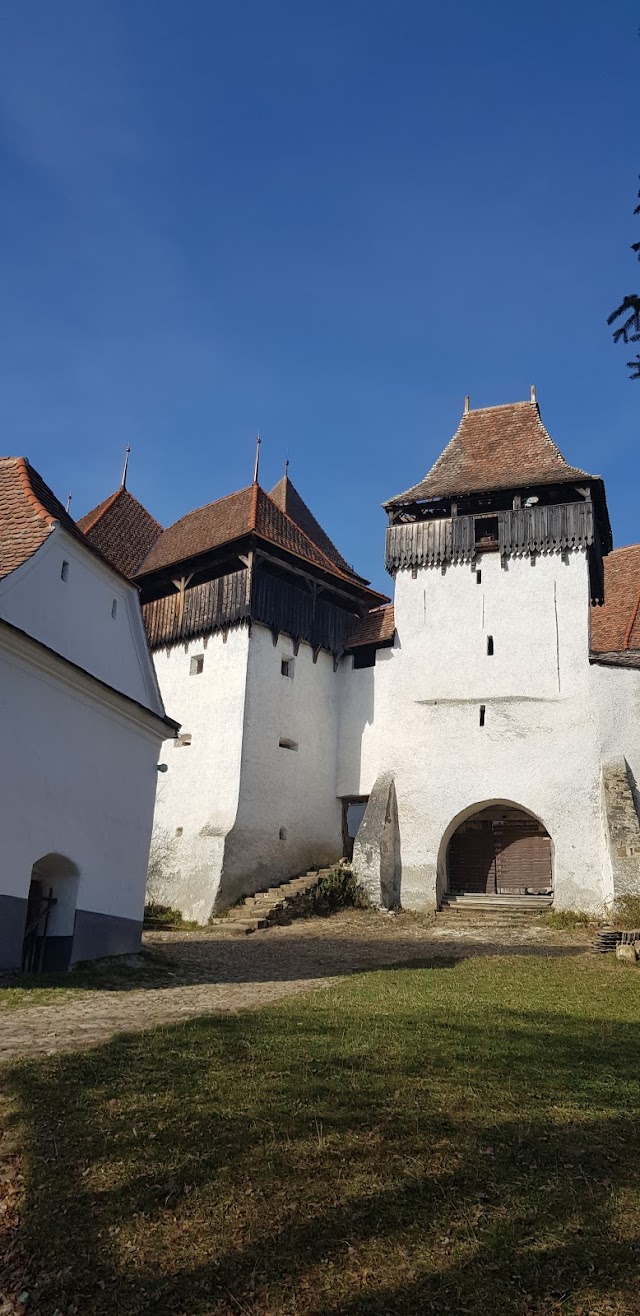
[[478, 577], [364, 656], [284, 743], [482, 713], [486, 532], [490, 645], [286, 667], [196, 664], [64, 571]]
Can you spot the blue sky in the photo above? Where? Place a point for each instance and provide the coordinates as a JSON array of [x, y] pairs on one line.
[[326, 220]]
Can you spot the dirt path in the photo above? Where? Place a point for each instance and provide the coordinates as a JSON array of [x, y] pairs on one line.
[[210, 972]]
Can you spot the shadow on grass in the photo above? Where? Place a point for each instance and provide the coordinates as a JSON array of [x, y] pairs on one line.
[[263, 958], [400, 1145]]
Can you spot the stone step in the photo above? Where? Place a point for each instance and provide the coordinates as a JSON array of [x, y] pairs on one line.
[[276, 905]]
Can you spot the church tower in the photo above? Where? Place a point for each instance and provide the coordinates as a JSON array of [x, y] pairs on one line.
[[488, 728]]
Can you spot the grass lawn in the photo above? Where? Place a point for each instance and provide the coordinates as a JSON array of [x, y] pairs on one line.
[[458, 1139]]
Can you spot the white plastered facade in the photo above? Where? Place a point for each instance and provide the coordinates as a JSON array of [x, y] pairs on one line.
[[238, 812], [82, 721]]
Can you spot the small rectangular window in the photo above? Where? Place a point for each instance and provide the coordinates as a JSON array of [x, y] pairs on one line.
[[482, 713], [284, 743], [478, 577], [490, 646], [114, 609], [182, 741], [486, 532], [64, 571], [196, 665], [286, 667]]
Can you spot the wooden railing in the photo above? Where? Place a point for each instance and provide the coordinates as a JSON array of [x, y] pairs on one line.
[[546, 529]]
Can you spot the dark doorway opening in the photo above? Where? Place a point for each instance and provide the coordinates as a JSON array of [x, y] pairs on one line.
[[353, 807]]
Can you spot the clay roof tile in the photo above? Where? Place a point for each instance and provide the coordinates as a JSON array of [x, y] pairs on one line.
[[494, 448]]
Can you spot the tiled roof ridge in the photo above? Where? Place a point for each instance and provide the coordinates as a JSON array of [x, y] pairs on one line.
[[23, 474], [204, 507], [253, 514], [286, 483], [99, 511], [331, 566]]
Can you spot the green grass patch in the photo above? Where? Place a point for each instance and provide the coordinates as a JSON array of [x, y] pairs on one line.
[[457, 1139], [565, 919]]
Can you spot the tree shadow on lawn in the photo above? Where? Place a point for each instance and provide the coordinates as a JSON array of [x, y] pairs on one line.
[[319, 1159], [264, 959]]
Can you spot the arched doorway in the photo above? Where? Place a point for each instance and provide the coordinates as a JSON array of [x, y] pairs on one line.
[[500, 850], [51, 914]]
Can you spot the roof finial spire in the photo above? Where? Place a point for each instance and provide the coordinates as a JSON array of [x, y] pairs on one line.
[[123, 482], [533, 392], [466, 405], [257, 465], [69, 497], [286, 467]]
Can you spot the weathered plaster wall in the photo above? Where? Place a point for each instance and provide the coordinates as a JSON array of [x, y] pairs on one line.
[[78, 780], [615, 692], [74, 616], [416, 714], [289, 789], [197, 797]]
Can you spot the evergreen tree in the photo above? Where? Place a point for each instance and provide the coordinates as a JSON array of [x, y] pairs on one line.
[[629, 311]]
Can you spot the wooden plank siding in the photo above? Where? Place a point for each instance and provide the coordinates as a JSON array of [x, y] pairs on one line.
[[242, 596], [544, 529], [556, 528]]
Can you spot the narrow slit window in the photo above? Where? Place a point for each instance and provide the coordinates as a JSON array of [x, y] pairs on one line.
[[282, 834], [196, 664], [490, 646], [482, 713], [64, 570], [478, 577], [114, 609], [285, 743], [286, 667]]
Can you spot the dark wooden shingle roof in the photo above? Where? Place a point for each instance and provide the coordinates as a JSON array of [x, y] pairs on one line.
[[376, 627]]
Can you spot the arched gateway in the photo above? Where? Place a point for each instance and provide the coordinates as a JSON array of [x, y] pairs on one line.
[[500, 850]]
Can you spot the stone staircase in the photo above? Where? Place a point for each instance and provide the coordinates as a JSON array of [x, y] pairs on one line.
[[278, 905], [499, 911]]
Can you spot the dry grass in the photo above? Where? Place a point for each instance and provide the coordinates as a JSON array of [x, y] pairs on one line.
[[457, 1139]]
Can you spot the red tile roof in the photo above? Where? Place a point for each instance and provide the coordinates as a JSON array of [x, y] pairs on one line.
[[495, 448], [249, 511], [122, 530], [615, 626], [287, 498], [377, 627], [28, 513]]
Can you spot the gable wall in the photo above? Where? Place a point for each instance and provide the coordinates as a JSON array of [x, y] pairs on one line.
[[73, 617]]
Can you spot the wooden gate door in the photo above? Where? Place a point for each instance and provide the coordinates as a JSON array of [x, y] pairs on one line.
[[472, 859], [523, 858]]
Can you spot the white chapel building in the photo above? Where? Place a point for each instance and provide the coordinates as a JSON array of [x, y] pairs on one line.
[[82, 727], [478, 735]]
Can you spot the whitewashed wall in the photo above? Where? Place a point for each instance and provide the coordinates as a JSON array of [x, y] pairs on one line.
[[294, 790], [198, 796], [417, 713], [74, 616], [78, 775]]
